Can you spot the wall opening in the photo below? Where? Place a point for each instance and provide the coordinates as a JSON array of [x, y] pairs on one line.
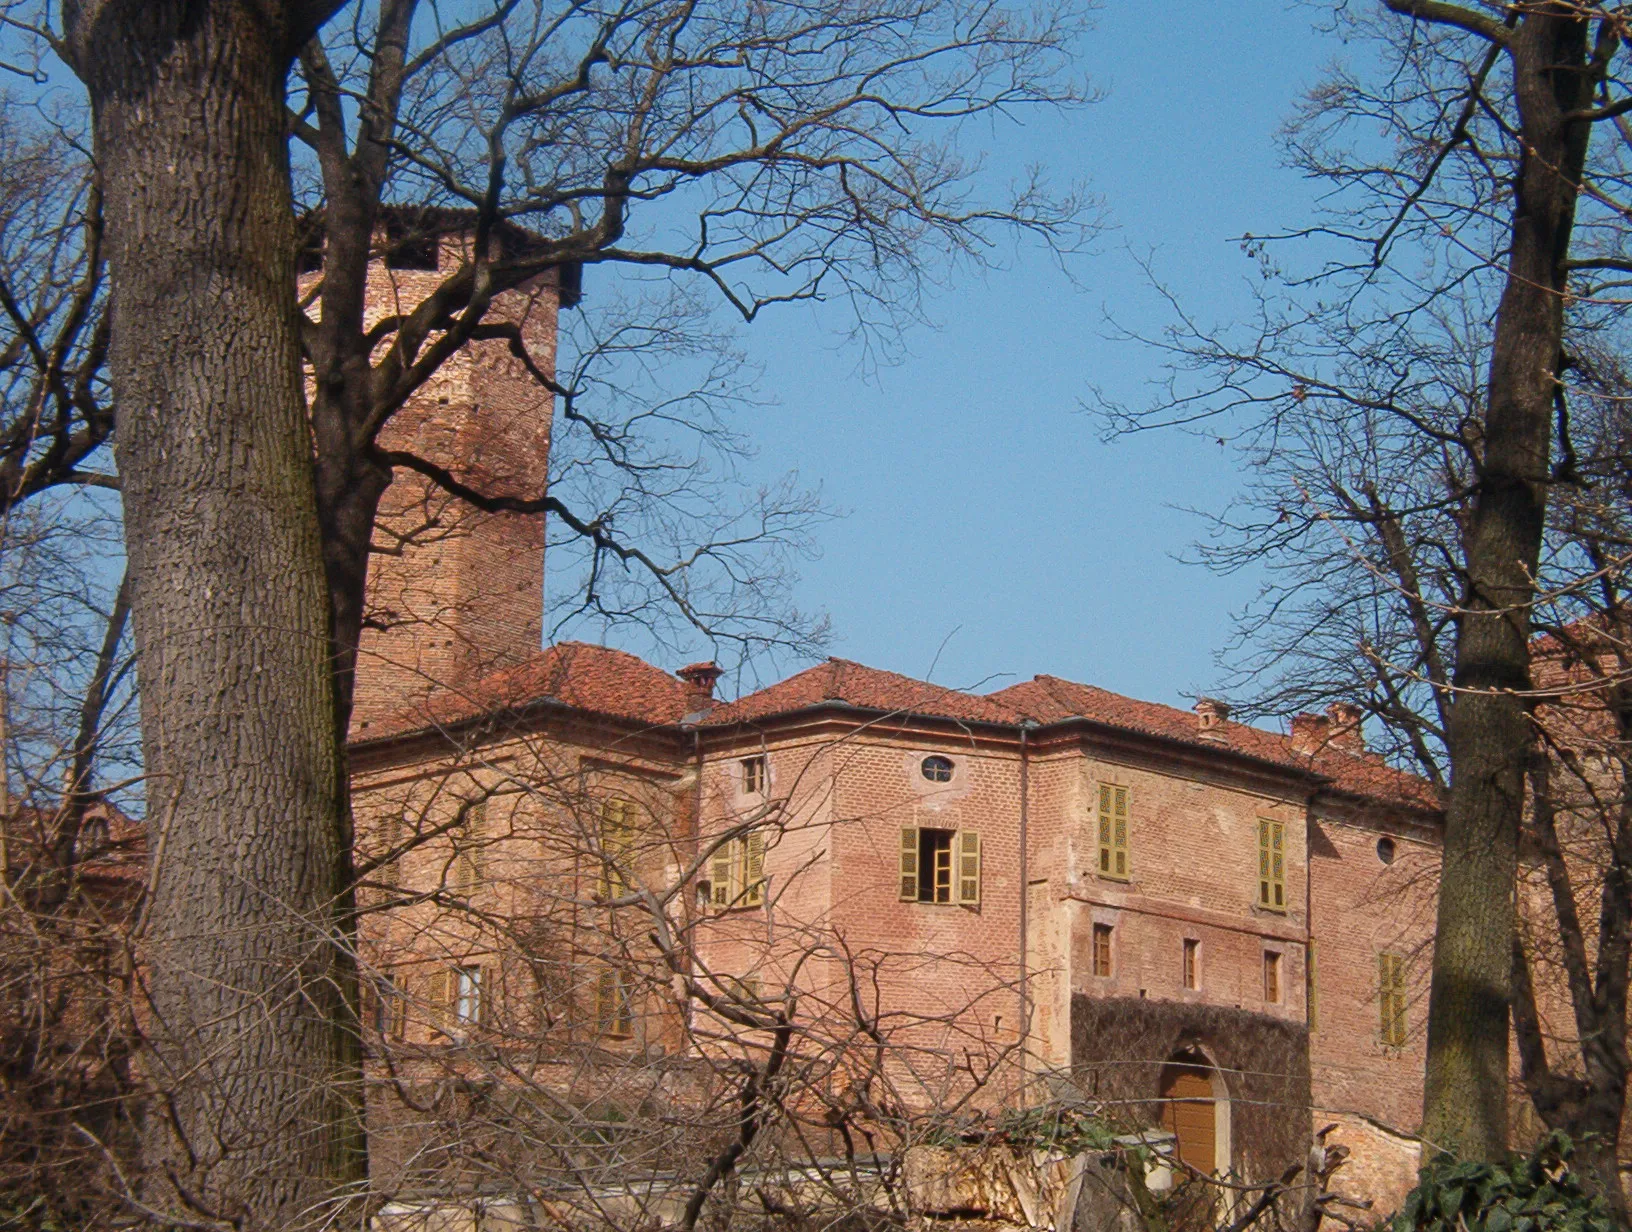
[[1196, 1110]]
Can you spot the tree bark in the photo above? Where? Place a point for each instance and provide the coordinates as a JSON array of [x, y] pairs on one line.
[[253, 1048], [1490, 736]]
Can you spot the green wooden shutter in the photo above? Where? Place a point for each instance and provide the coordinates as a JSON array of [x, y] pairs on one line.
[[753, 870], [909, 864], [1391, 997], [1119, 833], [617, 847], [720, 868], [1105, 829], [1272, 864], [1277, 865], [1311, 1004], [969, 867]]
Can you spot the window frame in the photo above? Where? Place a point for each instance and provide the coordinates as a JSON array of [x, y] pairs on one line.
[[940, 761], [468, 997], [1271, 879], [1114, 858], [756, 775], [1274, 978], [1104, 950], [955, 875], [736, 873], [1190, 965]]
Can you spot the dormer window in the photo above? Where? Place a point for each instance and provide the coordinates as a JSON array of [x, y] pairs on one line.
[[936, 769], [409, 245]]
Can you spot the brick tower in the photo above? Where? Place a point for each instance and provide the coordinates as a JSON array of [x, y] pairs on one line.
[[454, 593]]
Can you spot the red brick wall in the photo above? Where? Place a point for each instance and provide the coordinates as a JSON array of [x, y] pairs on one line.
[[454, 593], [1363, 907]]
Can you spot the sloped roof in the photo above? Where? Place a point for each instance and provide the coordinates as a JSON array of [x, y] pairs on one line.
[[869, 688], [597, 679], [1049, 699]]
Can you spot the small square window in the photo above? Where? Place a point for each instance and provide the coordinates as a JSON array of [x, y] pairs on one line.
[[754, 777], [1102, 950], [410, 244]]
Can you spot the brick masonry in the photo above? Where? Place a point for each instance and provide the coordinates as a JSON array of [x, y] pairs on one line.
[[957, 987]]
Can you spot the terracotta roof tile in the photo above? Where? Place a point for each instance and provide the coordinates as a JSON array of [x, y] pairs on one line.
[[1049, 699], [840, 680], [597, 679]]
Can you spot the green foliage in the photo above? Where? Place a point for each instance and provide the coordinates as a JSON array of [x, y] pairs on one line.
[[1535, 1193]]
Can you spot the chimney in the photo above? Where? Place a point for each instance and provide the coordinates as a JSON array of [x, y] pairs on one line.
[[1309, 733], [700, 679], [1346, 733], [1211, 714]]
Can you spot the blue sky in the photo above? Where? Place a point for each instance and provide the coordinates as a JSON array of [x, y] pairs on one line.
[[990, 533]]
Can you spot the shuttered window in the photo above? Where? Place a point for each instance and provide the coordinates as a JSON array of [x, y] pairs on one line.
[[736, 872], [969, 868], [614, 1013], [940, 866], [469, 858], [753, 870], [1102, 950], [1113, 832], [470, 1000], [1391, 997], [1272, 864], [617, 847], [909, 864]]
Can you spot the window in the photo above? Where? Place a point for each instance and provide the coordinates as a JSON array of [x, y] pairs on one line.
[[617, 847], [469, 852], [391, 838], [409, 245], [93, 838], [736, 873], [1113, 831], [390, 1008], [1309, 984], [310, 258], [936, 769], [1102, 950], [1272, 864], [1272, 977], [614, 1012], [469, 1006], [1385, 850], [1391, 997], [940, 866], [754, 778], [1192, 952]]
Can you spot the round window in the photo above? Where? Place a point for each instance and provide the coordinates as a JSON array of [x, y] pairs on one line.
[[937, 769], [1385, 850]]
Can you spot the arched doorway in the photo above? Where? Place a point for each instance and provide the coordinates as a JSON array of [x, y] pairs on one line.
[[1196, 1111]]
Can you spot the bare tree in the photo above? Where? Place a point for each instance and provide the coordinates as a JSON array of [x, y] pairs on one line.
[[1473, 223], [812, 147]]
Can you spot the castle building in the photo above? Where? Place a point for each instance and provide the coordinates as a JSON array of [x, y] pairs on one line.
[[1209, 926]]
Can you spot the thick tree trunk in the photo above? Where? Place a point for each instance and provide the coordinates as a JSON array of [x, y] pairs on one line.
[[1490, 735], [253, 1043]]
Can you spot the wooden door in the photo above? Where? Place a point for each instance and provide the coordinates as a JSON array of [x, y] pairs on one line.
[[1188, 1114]]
